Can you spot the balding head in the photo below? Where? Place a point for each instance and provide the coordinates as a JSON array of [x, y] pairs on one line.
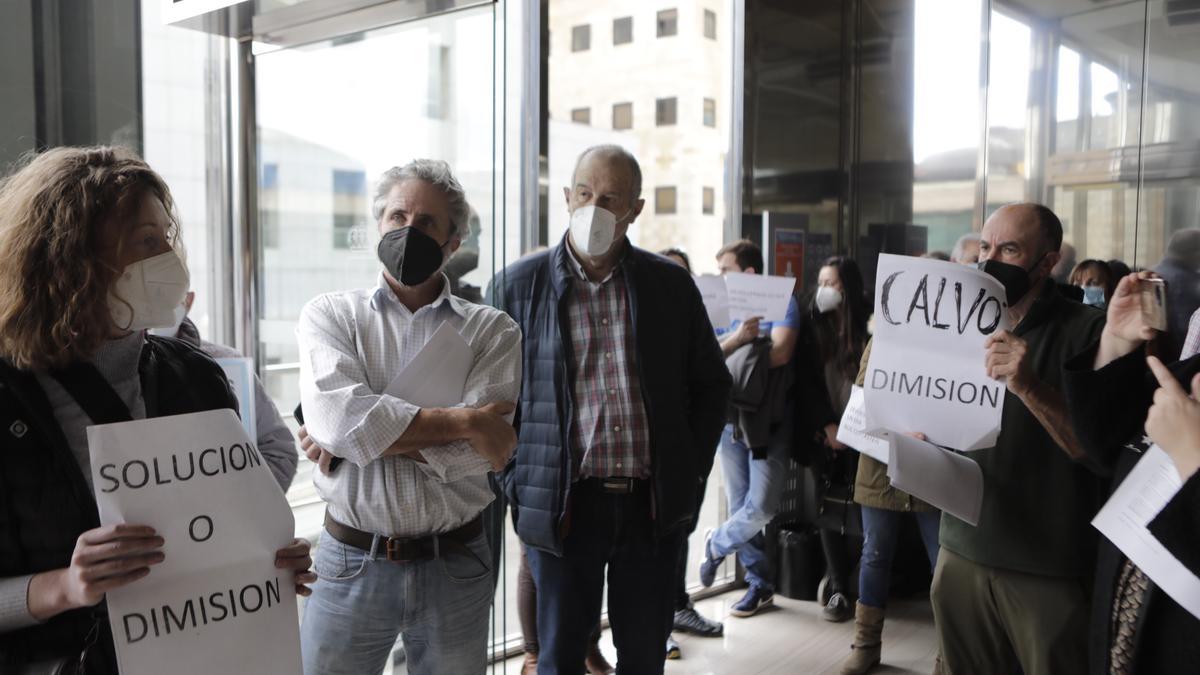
[[1184, 248], [1025, 235], [610, 154]]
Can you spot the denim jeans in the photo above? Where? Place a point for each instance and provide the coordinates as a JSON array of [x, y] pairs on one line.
[[612, 537], [362, 602], [881, 528], [754, 487]]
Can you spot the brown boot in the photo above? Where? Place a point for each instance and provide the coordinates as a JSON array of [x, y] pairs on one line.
[[868, 643], [595, 662], [530, 665]]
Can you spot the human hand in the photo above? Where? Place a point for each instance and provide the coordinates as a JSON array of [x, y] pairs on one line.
[[1125, 327], [1173, 422], [831, 431], [747, 331], [1008, 357], [492, 435], [295, 556], [315, 453], [104, 558]]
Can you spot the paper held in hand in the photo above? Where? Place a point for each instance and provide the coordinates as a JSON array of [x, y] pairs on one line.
[[926, 371], [737, 297], [437, 375], [217, 604], [1125, 521], [852, 430], [949, 481]]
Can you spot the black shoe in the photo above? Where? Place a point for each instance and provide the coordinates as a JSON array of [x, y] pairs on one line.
[[838, 609], [690, 621], [673, 651]]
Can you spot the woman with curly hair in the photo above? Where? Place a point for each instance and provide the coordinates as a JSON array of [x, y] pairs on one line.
[[92, 259]]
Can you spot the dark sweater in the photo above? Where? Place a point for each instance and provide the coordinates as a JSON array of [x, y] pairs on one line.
[[1108, 409], [1037, 502]]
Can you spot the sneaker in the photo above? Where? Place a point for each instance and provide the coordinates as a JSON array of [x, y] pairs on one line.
[[673, 651], [752, 602], [838, 609], [709, 564], [690, 621]]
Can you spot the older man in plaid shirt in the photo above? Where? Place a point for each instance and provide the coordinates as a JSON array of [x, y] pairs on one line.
[[622, 401]]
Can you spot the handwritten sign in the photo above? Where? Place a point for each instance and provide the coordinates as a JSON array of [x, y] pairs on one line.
[[926, 371], [216, 604]]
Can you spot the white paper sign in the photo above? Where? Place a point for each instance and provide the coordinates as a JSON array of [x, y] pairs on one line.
[[1127, 515], [715, 298], [240, 372], [752, 295], [436, 376], [216, 604], [949, 481], [926, 371], [852, 430]]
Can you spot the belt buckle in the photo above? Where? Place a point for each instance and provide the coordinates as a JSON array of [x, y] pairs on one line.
[[401, 550], [623, 485]]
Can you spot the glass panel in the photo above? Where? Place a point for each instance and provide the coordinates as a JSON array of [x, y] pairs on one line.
[[678, 161], [668, 22], [1170, 198], [1091, 171], [946, 131], [622, 116], [665, 111], [581, 38], [623, 30], [1008, 107], [320, 151]]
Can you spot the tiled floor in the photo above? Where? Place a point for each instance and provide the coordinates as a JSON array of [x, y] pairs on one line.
[[792, 639]]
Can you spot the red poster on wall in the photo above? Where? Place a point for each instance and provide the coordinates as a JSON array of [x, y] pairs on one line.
[[789, 253]]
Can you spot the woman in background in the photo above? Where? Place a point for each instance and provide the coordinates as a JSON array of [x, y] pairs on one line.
[[1097, 280], [90, 246]]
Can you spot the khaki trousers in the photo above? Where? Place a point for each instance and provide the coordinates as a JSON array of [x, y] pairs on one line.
[[992, 620]]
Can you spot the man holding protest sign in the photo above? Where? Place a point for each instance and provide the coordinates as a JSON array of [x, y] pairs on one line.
[[1011, 591], [404, 550], [754, 476]]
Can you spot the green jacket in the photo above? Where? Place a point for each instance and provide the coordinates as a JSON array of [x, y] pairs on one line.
[[872, 487]]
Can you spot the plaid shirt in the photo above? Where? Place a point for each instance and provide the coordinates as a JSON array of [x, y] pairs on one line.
[[610, 435]]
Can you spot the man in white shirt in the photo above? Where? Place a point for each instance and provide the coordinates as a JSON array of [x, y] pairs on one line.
[[403, 552]]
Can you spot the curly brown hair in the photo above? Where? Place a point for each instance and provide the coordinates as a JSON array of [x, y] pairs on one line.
[[58, 211]]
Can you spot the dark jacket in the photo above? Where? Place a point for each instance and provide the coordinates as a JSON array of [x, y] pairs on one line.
[[684, 382], [45, 503], [761, 398], [1108, 410]]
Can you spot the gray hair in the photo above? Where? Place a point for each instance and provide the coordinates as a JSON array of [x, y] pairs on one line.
[[435, 172], [960, 246], [612, 150]]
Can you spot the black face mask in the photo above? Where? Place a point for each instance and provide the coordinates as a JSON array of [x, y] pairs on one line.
[[1014, 278], [410, 255]]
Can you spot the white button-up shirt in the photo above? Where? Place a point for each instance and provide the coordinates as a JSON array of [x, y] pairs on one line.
[[352, 344]]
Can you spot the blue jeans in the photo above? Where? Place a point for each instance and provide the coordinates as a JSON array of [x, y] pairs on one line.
[[754, 487], [362, 602], [609, 534], [881, 527]]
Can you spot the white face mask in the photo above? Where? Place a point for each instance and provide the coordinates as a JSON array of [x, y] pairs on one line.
[[172, 330], [148, 291], [828, 299], [593, 230]]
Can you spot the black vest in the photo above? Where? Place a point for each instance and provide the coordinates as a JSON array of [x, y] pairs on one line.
[[45, 503]]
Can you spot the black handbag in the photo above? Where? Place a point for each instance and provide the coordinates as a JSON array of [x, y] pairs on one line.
[[837, 510]]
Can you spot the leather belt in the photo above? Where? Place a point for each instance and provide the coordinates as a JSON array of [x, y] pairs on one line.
[[619, 485], [405, 549]]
